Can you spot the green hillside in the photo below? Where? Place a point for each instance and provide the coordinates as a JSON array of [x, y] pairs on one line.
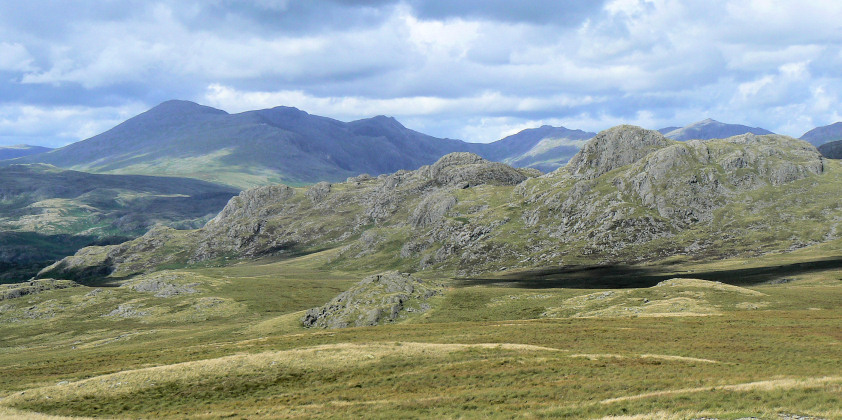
[[47, 213]]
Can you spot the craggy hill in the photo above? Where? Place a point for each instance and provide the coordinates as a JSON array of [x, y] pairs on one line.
[[629, 195]]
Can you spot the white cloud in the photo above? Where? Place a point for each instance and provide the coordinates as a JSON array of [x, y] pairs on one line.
[[647, 62], [57, 126], [14, 57]]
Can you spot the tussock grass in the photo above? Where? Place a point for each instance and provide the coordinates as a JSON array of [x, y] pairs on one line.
[[484, 351]]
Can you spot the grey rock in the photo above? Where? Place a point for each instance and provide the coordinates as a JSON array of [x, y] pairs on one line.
[[432, 209], [17, 290], [377, 299], [317, 192], [615, 148]]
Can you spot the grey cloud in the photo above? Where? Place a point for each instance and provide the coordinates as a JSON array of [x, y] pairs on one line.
[[562, 13]]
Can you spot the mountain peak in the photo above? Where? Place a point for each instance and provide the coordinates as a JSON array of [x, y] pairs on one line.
[[613, 148], [178, 106], [711, 129]]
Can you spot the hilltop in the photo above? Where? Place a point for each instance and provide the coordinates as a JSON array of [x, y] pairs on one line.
[[711, 129]]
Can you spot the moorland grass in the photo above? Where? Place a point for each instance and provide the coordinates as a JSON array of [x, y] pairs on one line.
[[488, 350]]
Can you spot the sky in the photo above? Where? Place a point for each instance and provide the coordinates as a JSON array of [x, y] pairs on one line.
[[475, 70]]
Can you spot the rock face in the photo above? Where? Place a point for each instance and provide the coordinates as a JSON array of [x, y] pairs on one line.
[[615, 148], [378, 299]]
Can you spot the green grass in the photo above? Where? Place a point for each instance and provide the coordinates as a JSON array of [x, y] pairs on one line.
[[482, 351]]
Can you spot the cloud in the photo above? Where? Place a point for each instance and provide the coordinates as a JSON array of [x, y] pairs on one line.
[[458, 69], [58, 126], [14, 57]]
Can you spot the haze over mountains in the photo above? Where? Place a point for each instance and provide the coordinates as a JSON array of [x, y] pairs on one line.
[[288, 145]]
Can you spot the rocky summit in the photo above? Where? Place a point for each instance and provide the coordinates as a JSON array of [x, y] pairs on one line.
[[629, 195]]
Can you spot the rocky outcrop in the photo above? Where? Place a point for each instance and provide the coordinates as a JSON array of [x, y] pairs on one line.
[[378, 299], [318, 192], [256, 202], [432, 209], [16, 290], [467, 169], [615, 148], [629, 195], [685, 182]]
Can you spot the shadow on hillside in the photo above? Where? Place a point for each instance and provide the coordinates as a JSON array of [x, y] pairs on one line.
[[631, 276]]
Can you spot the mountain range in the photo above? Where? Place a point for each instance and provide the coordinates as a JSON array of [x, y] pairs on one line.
[[284, 145], [290, 146]]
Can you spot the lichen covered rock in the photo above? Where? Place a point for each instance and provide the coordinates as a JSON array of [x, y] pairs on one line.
[[378, 299]]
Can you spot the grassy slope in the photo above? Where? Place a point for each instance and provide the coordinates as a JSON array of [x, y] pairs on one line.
[[47, 213], [489, 351]]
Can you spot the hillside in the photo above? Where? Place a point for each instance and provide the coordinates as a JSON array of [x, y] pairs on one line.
[[47, 213], [832, 150], [545, 148], [821, 135], [21, 150], [712, 129], [628, 196]]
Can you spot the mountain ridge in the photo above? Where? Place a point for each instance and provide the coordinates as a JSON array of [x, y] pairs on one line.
[[709, 128], [286, 144]]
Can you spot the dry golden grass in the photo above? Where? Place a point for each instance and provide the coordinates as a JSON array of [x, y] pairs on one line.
[[767, 385], [329, 356]]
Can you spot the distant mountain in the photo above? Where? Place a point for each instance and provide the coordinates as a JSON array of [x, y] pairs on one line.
[[282, 144], [285, 145], [47, 213], [821, 135], [545, 148], [712, 129], [832, 150], [20, 150], [666, 130]]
